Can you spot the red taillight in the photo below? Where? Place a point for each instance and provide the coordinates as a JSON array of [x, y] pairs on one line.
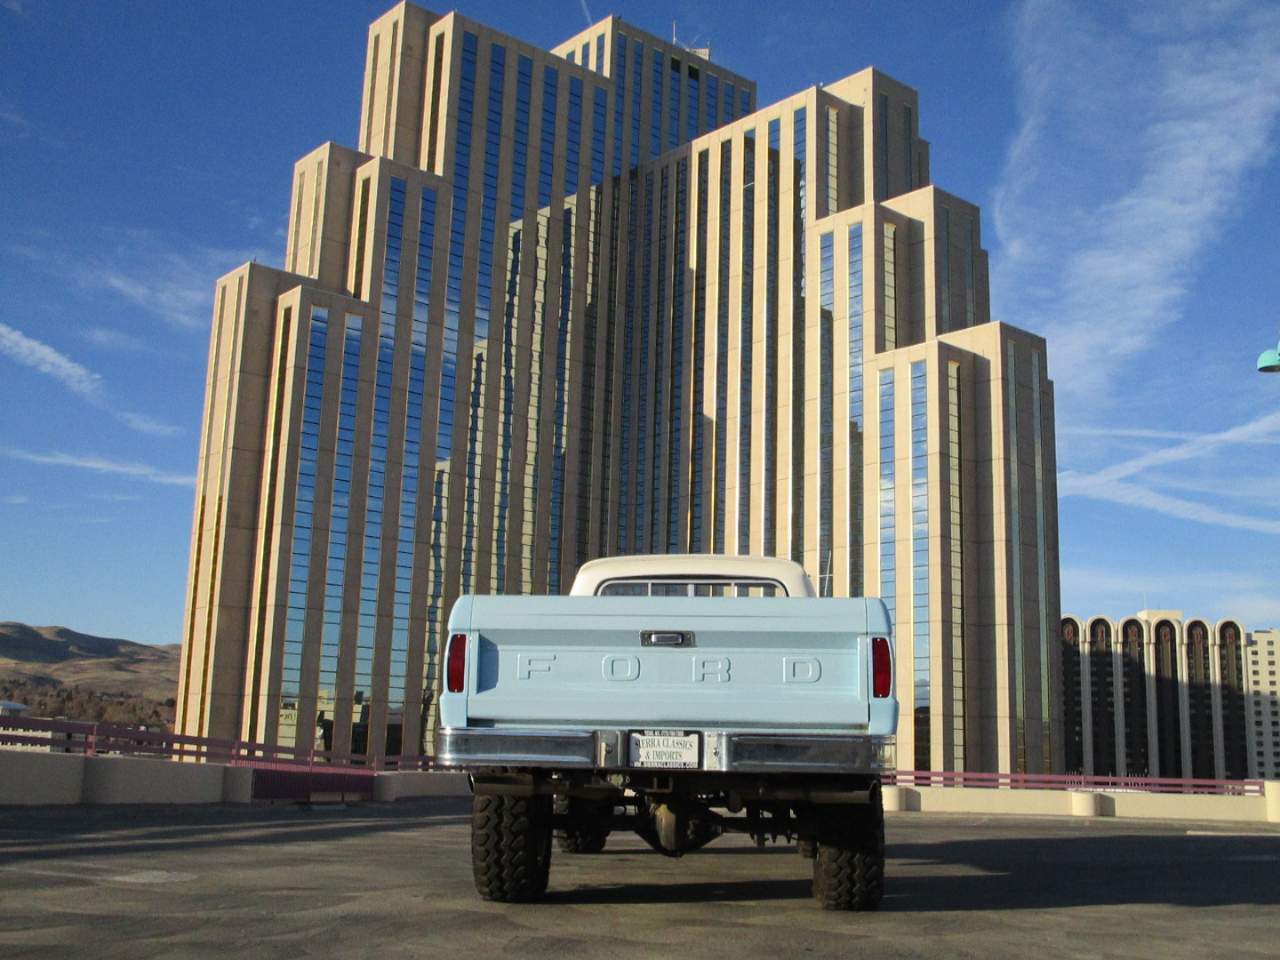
[[881, 667], [455, 664]]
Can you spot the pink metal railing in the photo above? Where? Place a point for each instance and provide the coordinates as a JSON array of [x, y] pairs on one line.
[[92, 739], [1042, 781], [95, 738]]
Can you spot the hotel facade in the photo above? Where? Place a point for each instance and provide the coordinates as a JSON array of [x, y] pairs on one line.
[[1160, 695], [591, 301]]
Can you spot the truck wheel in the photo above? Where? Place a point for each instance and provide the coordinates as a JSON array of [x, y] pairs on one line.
[[848, 865], [583, 831], [582, 841], [511, 847]]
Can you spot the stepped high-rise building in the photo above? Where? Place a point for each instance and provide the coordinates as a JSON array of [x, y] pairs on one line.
[[588, 301]]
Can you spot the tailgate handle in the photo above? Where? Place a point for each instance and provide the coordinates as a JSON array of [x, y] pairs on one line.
[[666, 638]]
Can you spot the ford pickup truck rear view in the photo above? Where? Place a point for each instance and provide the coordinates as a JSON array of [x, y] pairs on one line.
[[680, 697]]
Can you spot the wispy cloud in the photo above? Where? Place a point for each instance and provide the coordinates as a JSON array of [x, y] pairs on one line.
[[80, 380], [1137, 495], [1134, 482], [1162, 584], [1262, 492], [142, 268], [103, 465], [9, 115], [149, 425], [14, 500], [1138, 126], [1215, 594], [22, 349], [1130, 433], [116, 340], [1265, 429]]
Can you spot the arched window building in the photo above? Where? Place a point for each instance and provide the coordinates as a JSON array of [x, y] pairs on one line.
[[1162, 696]]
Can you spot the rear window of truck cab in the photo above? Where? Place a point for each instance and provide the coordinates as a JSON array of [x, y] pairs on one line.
[[690, 587]]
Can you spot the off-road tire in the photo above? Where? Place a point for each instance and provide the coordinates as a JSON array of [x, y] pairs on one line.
[[582, 832], [582, 841], [848, 865], [511, 847]]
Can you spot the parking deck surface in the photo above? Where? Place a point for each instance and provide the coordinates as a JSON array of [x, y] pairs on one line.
[[393, 880]]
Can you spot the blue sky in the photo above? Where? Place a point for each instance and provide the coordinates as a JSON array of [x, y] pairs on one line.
[[1124, 156]]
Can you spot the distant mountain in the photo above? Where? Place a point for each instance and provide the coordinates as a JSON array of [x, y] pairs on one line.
[[101, 664]]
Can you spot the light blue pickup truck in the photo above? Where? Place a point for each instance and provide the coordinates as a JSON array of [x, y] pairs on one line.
[[679, 696]]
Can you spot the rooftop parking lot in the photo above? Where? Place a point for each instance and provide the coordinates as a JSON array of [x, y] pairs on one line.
[[391, 880]]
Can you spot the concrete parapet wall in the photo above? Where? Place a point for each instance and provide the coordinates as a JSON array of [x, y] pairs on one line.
[[134, 780], [1172, 806], [50, 779], [1081, 803], [237, 784], [40, 779]]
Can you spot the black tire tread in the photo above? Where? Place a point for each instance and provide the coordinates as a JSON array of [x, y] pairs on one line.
[[511, 847], [584, 824], [848, 866], [582, 841]]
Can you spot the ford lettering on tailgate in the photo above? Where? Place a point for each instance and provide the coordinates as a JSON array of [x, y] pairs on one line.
[[625, 667]]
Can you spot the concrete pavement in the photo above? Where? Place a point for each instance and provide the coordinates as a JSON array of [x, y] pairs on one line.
[[393, 880]]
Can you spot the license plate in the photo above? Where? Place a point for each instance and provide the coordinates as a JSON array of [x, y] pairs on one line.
[[666, 749]]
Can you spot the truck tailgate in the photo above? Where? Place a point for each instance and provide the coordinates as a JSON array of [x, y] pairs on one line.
[[781, 663]]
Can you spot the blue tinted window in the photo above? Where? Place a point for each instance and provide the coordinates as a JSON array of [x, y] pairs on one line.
[[546, 166], [725, 246], [675, 418], [520, 145], [673, 102], [554, 548], [304, 516], [508, 410], [642, 418], [826, 432], [771, 336], [855, 492], [799, 331], [657, 528], [573, 134], [888, 531], [655, 108], [920, 563], [600, 116], [619, 100], [691, 111], [746, 338], [628, 359], [637, 83]]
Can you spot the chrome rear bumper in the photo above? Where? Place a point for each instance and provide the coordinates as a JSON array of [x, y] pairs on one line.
[[722, 751]]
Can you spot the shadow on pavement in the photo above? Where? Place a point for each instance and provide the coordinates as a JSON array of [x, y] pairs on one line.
[[1039, 873]]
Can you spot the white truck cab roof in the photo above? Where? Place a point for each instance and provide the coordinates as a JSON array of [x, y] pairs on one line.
[[692, 574]]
